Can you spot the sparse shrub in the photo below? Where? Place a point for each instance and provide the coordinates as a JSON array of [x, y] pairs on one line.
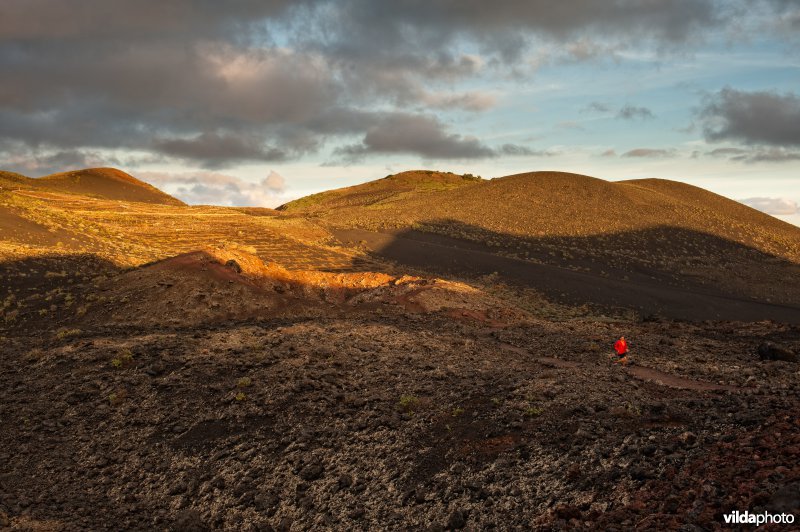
[[244, 382], [457, 411], [125, 358], [240, 396], [633, 410], [116, 398], [35, 354], [407, 402], [533, 411], [8, 301], [67, 333]]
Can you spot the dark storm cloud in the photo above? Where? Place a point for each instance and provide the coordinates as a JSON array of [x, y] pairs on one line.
[[89, 20], [505, 26], [31, 163], [254, 80], [216, 150], [426, 136], [786, 16], [632, 112], [760, 118], [415, 134]]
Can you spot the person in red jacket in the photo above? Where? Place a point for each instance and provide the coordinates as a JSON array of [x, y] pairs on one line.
[[621, 347]]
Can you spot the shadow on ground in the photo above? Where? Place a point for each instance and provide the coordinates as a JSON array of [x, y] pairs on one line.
[[665, 271]]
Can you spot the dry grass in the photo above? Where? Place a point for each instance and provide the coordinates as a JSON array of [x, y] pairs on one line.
[[674, 230]]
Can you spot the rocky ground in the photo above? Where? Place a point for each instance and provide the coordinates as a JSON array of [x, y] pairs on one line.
[[165, 367], [399, 403]]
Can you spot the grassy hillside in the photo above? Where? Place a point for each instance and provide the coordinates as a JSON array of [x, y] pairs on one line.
[[555, 204], [662, 229], [51, 216], [382, 193]]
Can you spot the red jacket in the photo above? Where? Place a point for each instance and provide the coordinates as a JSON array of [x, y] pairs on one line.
[[621, 346]]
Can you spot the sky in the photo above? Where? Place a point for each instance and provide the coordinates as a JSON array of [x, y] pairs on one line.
[[256, 102]]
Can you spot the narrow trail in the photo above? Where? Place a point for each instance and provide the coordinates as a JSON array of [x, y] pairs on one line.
[[640, 372]]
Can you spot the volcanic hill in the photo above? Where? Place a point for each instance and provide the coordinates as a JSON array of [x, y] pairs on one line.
[[548, 204], [678, 234], [102, 183], [426, 351]]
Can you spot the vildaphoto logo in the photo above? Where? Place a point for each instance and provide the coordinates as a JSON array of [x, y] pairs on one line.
[[746, 518]]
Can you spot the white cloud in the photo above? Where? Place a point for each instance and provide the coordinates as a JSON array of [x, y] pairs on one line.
[[780, 206], [213, 188]]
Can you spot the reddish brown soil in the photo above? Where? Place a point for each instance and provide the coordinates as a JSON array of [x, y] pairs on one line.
[[220, 388], [106, 183], [640, 372]]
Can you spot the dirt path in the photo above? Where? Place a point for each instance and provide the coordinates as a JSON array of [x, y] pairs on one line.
[[640, 372]]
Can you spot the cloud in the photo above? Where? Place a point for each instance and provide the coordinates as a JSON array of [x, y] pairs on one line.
[[757, 154], [596, 107], [427, 137], [759, 118], [649, 153], [274, 182], [609, 153], [626, 112], [469, 101], [203, 188], [515, 150], [569, 124], [52, 19], [631, 112], [415, 134], [786, 17], [505, 27], [43, 160], [207, 103], [215, 84], [780, 206], [727, 152], [218, 150], [33, 163], [773, 155]]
